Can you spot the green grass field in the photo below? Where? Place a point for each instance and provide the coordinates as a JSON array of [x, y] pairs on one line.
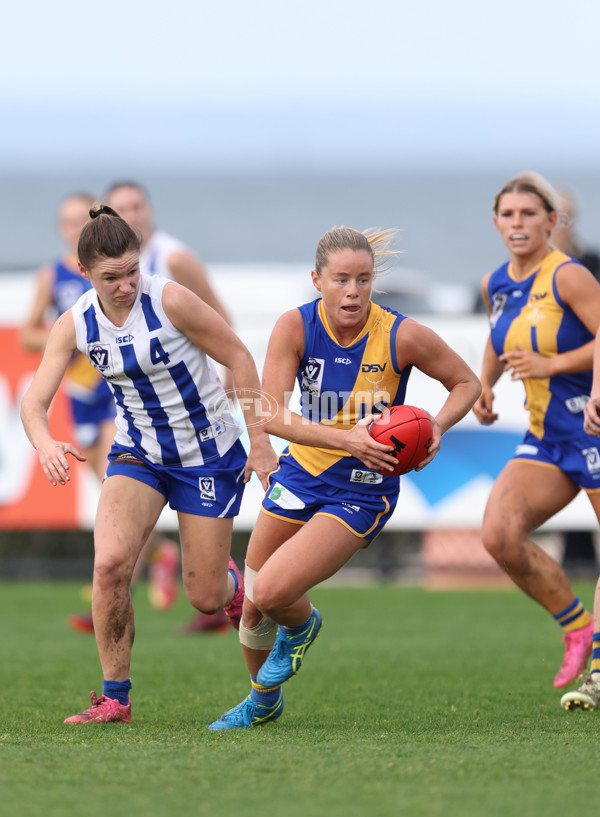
[[409, 703]]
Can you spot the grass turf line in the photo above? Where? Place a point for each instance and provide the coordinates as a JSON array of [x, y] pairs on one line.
[[409, 703]]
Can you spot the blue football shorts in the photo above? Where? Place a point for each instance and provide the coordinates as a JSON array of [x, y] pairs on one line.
[[578, 457], [296, 496], [214, 489]]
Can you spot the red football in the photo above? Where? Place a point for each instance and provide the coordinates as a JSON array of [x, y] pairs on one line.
[[409, 430]]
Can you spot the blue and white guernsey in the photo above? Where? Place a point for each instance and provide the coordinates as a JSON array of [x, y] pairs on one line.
[[155, 253], [171, 406]]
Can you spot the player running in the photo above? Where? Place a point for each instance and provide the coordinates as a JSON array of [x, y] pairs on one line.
[[176, 440], [544, 308], [327, 499]]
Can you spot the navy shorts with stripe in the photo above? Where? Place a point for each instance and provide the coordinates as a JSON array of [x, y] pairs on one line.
[[214, 489], [577, 457], [296, 496]]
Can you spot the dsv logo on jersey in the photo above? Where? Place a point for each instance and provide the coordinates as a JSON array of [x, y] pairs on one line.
[[99, 357], [373, 367]]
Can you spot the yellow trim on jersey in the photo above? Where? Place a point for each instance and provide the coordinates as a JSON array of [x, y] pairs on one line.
[[368, 389], [371, 320], [541, 316]]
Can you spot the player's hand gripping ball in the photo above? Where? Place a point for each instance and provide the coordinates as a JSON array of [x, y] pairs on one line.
[[409, 430]]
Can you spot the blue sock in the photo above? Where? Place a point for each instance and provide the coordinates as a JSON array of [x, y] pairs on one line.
[[267, 696], [235, 580], [118, 690], [292, 632]]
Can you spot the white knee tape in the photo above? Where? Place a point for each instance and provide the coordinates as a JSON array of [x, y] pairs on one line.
[[262, 636], [249, 576]]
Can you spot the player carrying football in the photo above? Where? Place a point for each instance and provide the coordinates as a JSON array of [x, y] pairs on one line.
[[326, 499]]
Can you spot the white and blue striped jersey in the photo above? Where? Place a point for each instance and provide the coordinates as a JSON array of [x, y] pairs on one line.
[[171, 406], [154, 254]]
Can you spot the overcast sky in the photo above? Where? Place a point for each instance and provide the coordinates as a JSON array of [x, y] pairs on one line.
[[316, 81]]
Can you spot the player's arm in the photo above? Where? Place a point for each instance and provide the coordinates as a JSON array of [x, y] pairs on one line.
[[209, 332], [577, 288], [34, 408], [285, 350], [35, 330], [591, 412], [189, 271], [491, 370], [419, 346]]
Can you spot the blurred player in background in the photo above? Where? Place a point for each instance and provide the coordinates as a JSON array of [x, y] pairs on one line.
[[544, 309], [330, 495], [579, 554], [58, 287], [587, 696], [161, 254]]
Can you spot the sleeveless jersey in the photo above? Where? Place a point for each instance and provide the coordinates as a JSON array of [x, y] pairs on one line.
[[153, 257], [68, 286], [531, 314], [171, 406], [342, 384]]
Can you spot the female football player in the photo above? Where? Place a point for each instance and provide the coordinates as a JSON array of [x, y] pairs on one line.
[[176, 440], [544, 308], [327, 499]]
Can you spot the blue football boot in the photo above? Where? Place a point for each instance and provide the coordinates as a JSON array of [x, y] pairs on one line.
[[285, 659]]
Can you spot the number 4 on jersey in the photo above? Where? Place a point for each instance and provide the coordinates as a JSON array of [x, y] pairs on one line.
[[157, 353]]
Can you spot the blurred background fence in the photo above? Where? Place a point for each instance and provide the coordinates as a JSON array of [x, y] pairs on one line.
[[434, 533]]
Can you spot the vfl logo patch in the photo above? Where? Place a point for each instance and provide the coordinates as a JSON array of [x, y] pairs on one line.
[[577, 404], [207, 488], [99, 356], [366, 477], [210, 432], [524, 448], [312, 376], [592, 458], [285, 498], [498, 301]]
